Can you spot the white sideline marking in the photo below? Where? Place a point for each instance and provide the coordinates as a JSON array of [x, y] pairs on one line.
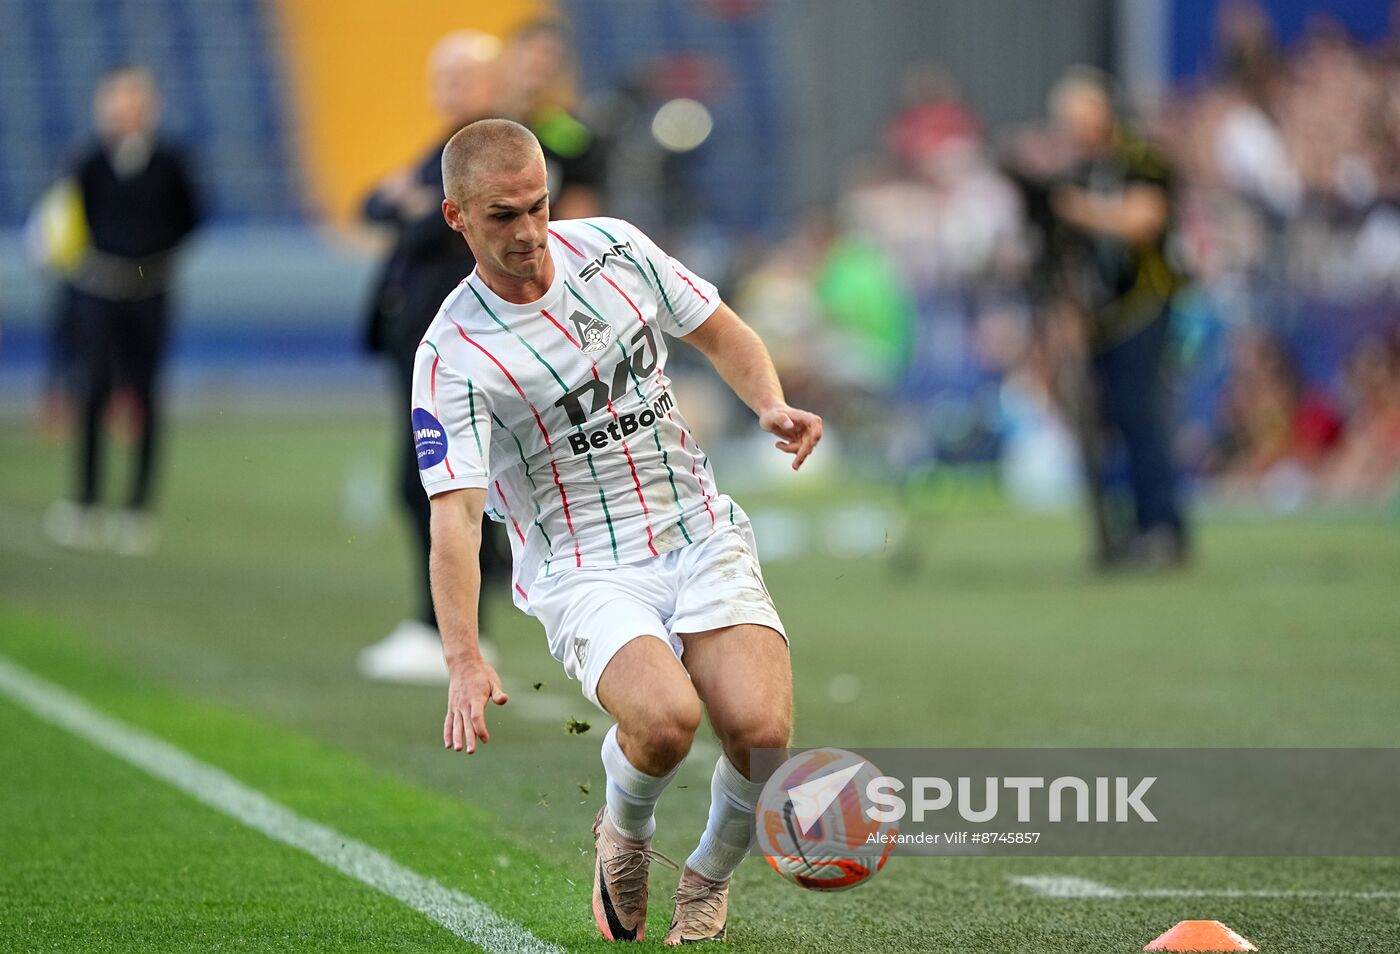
[[1066, 886], [1264, 893], [461, 914]]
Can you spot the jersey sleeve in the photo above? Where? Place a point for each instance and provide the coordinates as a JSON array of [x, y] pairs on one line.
[[684, 299], [451, 421]]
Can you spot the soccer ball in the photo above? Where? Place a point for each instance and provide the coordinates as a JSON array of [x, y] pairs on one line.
[[813, 827]]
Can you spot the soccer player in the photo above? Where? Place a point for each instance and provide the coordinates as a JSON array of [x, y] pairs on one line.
[[541, 397]]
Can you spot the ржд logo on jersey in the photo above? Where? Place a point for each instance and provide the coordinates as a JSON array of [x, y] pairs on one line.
[[639, 365], [594, 334], [589, 271], [636, 367]]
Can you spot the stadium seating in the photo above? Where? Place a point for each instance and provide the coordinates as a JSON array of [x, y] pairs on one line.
[[217, 64]]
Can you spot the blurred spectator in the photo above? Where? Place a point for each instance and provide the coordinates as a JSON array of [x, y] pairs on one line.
[[139, 205], [1293, 166], [865, 301], [1292, 213], [933, 117], [427, 262], [1327, 112], [541, 93], [1285, 444], [1248, 53], [780, 300], [1274, 423], [839, 321], [1276, 187], [1252, 157], [936, 204], [1367, 464]]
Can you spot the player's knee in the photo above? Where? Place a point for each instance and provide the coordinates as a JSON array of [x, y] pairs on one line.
[[772, 732], [672, 730]]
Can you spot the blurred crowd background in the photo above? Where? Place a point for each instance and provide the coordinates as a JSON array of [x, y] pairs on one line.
[[854, 178]]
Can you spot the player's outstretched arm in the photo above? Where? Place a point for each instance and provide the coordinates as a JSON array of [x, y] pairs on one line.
[[742, 360], [455, 567]]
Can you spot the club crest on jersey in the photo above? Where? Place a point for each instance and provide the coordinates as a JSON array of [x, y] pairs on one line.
[[594, 334], [590, 271]]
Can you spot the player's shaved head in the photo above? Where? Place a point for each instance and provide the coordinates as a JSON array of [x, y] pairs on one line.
[[496, 190], [488, 147]]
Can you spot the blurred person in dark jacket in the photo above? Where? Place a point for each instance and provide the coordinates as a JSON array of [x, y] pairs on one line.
[[541, 93], [427, 261], [1107, 210], [139, 204]]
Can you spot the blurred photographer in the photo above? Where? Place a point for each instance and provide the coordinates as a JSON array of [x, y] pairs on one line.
[[1103, 199]]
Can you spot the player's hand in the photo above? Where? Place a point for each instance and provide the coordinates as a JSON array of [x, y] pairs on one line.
[[473, 683], [800, 430]]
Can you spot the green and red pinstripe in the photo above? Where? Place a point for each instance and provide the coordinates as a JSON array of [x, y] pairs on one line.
[[666, 299], [562, 330], [514, 523], [679, 274], [626, 254], [432, 391], [564, 497], [605, 276], [524, 463], [471, 413], [511, 517], [655, 431], [662, 288], [660, 285], [636, 481], [602, 496], [509, 377], [698, 481], [626, 451]]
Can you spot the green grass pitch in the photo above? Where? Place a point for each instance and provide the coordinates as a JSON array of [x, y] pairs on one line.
[[236, 642]]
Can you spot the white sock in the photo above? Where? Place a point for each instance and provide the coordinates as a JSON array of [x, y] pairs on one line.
[[632, 794], [729, 834]]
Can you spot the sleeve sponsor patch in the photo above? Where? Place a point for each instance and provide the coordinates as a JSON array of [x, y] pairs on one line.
[[429, 439]]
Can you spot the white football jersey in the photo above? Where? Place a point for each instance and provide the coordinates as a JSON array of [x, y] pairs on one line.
[[562, 410]]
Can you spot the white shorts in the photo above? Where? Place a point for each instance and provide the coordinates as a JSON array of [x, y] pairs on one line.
[[589, 614]]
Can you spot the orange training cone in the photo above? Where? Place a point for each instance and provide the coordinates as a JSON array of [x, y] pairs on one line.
[[1200, 936]]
